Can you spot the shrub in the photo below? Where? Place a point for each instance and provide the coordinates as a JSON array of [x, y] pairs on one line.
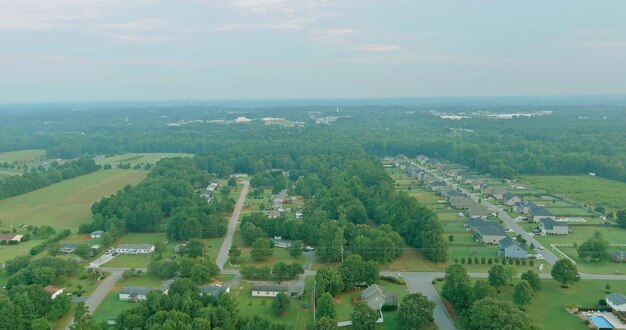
[[470, 261], [490, 261], [483, 260]]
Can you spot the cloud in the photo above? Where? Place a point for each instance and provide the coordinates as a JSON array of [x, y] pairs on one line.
[[143, 24], [291, 24], [142, 38], [260, 5], [605, 44], [47, 14], [376, 48], [332, 35]]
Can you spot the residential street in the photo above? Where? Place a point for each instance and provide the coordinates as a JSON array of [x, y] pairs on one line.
[[103, 289], [421, 282], [222, 256]]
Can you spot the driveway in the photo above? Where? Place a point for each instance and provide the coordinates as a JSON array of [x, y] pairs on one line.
[[422, 282], [98, 295], [222, 256]]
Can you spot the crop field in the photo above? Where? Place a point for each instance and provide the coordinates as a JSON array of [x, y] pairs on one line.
[[137, 158], [589, 190], [22, 155], [66, 204]]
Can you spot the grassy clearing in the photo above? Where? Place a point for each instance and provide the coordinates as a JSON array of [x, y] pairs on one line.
[[569, 211], [11, 251], [137, 158], [73, 281], [613, 234], [22, 155], [130, 261], [588, 190], [111, 307], [145, 280], [66, 204], [249, 306], [607, 267]]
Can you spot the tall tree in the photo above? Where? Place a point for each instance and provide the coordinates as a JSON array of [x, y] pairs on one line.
[[532, 278], [363, 317], [522, 294], [496, 314], [280, 303], [565, 272], [234, 253], [415, 311], [328, 280], [497, 276], [482, 290], [82, 319], [295, 250], [594, 249], [261, 249], [457, 286], [621, 218], [325, 306]]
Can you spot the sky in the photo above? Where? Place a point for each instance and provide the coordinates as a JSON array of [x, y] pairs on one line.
[[117, 50]]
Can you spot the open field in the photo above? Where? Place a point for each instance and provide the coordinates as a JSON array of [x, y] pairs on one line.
[[547, 308], [111, 306], [249, 306], [22, 155], [613, 234], [607, 267], [589, 190], [11, 251], [137, 158], [68, 203]]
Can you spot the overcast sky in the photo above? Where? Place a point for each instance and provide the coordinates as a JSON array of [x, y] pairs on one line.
[[99, 50]]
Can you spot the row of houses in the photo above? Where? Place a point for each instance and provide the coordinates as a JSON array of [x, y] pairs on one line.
[[121, 249], [493, 233]]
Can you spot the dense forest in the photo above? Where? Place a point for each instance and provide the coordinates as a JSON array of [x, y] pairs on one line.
[[571, 140]]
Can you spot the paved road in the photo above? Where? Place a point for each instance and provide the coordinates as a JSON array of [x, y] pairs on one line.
[[222, 256], [98, 295]]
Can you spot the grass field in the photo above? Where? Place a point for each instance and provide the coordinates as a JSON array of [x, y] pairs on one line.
[[547, 308], [66, 204], [137, 158], [111, 307], [607, 267], [11, 251], [22, 155], [249, 306], [585, 189], [613, 234]]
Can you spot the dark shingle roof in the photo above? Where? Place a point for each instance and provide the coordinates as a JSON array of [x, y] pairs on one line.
[[617, 299], [270, 287], [549, 224], [491, 229], [212, 290], [537, 210]]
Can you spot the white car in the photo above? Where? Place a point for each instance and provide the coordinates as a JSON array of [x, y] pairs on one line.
[[540, 247], [109, 251]]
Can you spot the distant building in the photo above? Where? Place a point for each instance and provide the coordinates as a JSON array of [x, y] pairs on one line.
[[53, 291], [135, 294], [618, 256], [97, 234], [69, 247], [268, 290], [548, 226], [509, 248], [537, 213], [272, 214], [510, 199], [281, 243], [135, 249], [11, 238], [211, 290]]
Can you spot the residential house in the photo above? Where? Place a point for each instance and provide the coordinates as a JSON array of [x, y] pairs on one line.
[[277, 202], [524, 207], [510, 248], [135, 294], [281, 243], [487, 188], [210, 189], [433, 185], [477, 183], [548, 226], [268, 290], [509, 199], [616, 301], [537, 213], [134, 249], [10, 238], [53, 291], [618, 256], [97, 234], [490, 233], [299, 215], [451, 194], [374, 296], [68, 247], [212, 290], [477, 210], [474, 223], [498, 193], [272, 214]]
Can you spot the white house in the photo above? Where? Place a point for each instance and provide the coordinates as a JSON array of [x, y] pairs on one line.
[[68, 247], [617, 302], [97, 234], [134, 249], [268, 290], [281, 243], [212, 290], [548, 226], [134, 294]]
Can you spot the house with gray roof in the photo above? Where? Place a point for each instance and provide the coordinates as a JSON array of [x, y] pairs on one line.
[[134, 249], [510, 248], [509, 199], [69, 247], [537, 213], [477, 210], [524, 207], [616, 301], [549, 226], [374, 296], [618, 256], [212, 290], [490, 233], [135, 294]]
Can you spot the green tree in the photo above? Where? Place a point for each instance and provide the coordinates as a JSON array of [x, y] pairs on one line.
[[363, 317], [457, 286], [295, 250], [522, 294], [324, 323], [234, 253], [83, 251], [261, 249], [494, 314], [565, 272], [497, 276], [325, 306], [280, 303], [106, 240], [194, 248], [415, 311], [232, 182], [532, 278], [82, 319], [328, 280], [354, 270], [482, 290], [594, 249]]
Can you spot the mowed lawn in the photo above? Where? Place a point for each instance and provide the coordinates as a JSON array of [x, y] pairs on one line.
[[137, 158], [585, 189], [21, 155], [68, 203]]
